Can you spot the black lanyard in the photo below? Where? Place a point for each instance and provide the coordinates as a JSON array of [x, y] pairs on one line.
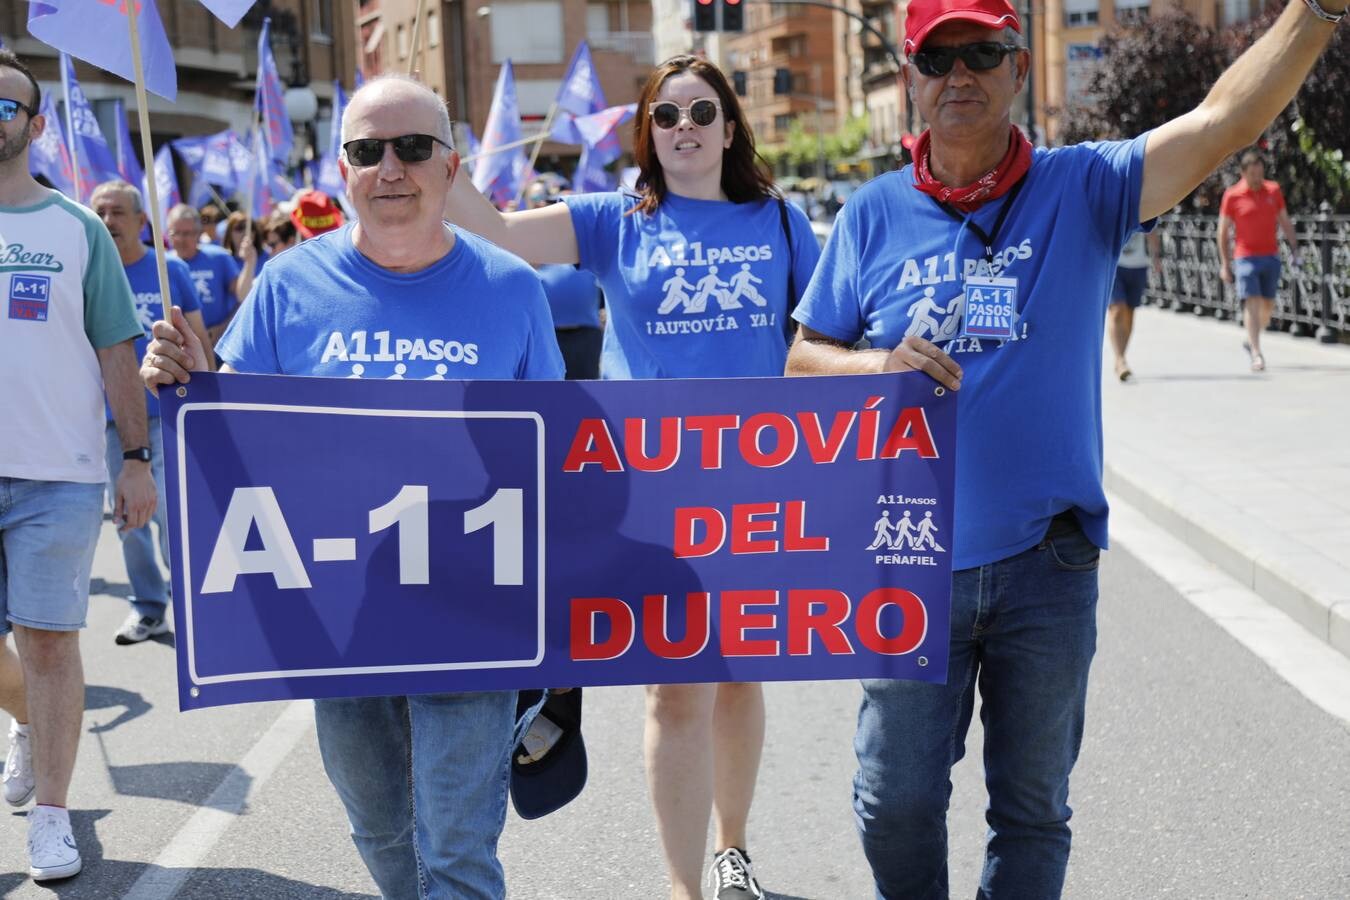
[[969, 220]]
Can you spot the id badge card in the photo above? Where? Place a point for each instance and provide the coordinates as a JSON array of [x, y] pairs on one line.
[[991, 307]]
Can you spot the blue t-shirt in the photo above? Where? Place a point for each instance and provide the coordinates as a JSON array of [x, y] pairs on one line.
[[324, 309], [696, 290], [214, 270], [144, 278], [572, 295], [1029, 431]]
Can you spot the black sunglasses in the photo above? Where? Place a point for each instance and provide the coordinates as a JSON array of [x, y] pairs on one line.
[[408, 148], [666, 114], [10, 108], [978, 57]]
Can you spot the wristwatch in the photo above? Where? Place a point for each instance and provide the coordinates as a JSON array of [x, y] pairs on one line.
[[140, 454]]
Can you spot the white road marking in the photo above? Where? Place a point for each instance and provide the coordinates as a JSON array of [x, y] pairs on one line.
[[177, 863], [1311, 666]]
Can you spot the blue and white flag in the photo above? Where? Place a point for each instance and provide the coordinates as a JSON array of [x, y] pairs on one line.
[[258, 183], [98, 33], [49, 155], [329, 177], [590, 175], [93, 157], [472, 147], [214, 159], [501, 174], [166, 182], [271, 100], [127, 164], [580, 94]]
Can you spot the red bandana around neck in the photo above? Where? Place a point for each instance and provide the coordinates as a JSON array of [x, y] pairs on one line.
[[992, 185]]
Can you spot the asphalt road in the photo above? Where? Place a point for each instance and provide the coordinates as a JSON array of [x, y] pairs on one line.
[[1203, 775]]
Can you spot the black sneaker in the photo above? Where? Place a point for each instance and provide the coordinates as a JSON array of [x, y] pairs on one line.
[[733, 878], [138, 628]]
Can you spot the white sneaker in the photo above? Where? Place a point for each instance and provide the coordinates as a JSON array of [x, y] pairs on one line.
[[51, 847], [139, 628], [19, 780]]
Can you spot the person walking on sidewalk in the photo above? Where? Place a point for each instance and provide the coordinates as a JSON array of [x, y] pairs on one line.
[[1127, 292], [119, 205], [981, 208], [423, 777], [703, 203], [1248, 215], [66, 335]]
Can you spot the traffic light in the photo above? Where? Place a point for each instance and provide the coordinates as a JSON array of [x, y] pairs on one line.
[[733, 15], [705, 15], [738, 82], [782, 81]]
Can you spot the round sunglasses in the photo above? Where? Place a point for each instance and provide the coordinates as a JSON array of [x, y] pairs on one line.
[[978, 57], [409, 148], [666, 114], [10, 108]]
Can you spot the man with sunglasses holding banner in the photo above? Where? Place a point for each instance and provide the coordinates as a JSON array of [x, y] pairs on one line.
[[67, 327], [398, 294], [989, 265]]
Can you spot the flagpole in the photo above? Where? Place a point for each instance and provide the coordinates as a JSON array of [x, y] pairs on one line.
[[70, 128], [415, 54], [536, 139], [534, 154], [148, 152]]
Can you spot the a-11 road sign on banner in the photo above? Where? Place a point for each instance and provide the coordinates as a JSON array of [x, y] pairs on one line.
[[349, 537]]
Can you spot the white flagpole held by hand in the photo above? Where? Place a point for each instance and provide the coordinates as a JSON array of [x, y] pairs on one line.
[[415, 53], [534, 139], [148, 153], [534, 154]]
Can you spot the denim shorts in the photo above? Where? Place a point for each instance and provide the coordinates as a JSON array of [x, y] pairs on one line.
[[48, 531], [1257, 276], [1129, 286]]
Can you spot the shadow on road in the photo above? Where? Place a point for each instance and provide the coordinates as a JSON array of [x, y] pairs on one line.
[[181, 782], [110, 588], [102, 696]]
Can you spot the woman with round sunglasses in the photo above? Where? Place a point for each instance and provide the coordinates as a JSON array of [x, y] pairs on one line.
[[697, 268]]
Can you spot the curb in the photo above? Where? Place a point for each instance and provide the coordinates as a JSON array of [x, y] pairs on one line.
[[1311, 588]]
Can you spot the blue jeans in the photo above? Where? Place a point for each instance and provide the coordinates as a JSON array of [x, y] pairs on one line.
[[424, 779], [1024, 629], [1257, 276], [149, 590]]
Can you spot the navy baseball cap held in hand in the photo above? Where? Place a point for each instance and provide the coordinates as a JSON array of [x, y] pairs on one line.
[[548, 766]]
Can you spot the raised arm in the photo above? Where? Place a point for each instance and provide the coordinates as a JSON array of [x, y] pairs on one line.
[[538, 236], [1242, 103]]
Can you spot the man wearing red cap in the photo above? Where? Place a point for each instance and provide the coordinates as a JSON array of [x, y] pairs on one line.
[[988, 265]]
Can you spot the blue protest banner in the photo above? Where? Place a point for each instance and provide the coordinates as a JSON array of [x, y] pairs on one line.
[[365, 537]]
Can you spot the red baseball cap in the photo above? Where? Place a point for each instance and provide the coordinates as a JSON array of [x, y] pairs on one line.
[[314, 213], [922, 16]]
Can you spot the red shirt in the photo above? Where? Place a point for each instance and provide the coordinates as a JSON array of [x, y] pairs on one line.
[[1255, 215]]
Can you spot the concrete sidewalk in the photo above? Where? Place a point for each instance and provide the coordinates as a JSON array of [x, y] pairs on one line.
[[1251, 470]]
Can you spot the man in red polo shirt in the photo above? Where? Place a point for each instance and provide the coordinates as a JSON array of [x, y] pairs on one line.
[[1251, 209]]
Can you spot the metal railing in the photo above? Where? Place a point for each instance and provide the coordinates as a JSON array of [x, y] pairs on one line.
[[1314, 297]]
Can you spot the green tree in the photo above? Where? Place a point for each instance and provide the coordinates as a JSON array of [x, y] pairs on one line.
[[1163, 66]]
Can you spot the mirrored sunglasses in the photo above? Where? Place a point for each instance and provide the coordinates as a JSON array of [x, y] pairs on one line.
[[10, 108], [409, 148], [978, 57], [666, 114]]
